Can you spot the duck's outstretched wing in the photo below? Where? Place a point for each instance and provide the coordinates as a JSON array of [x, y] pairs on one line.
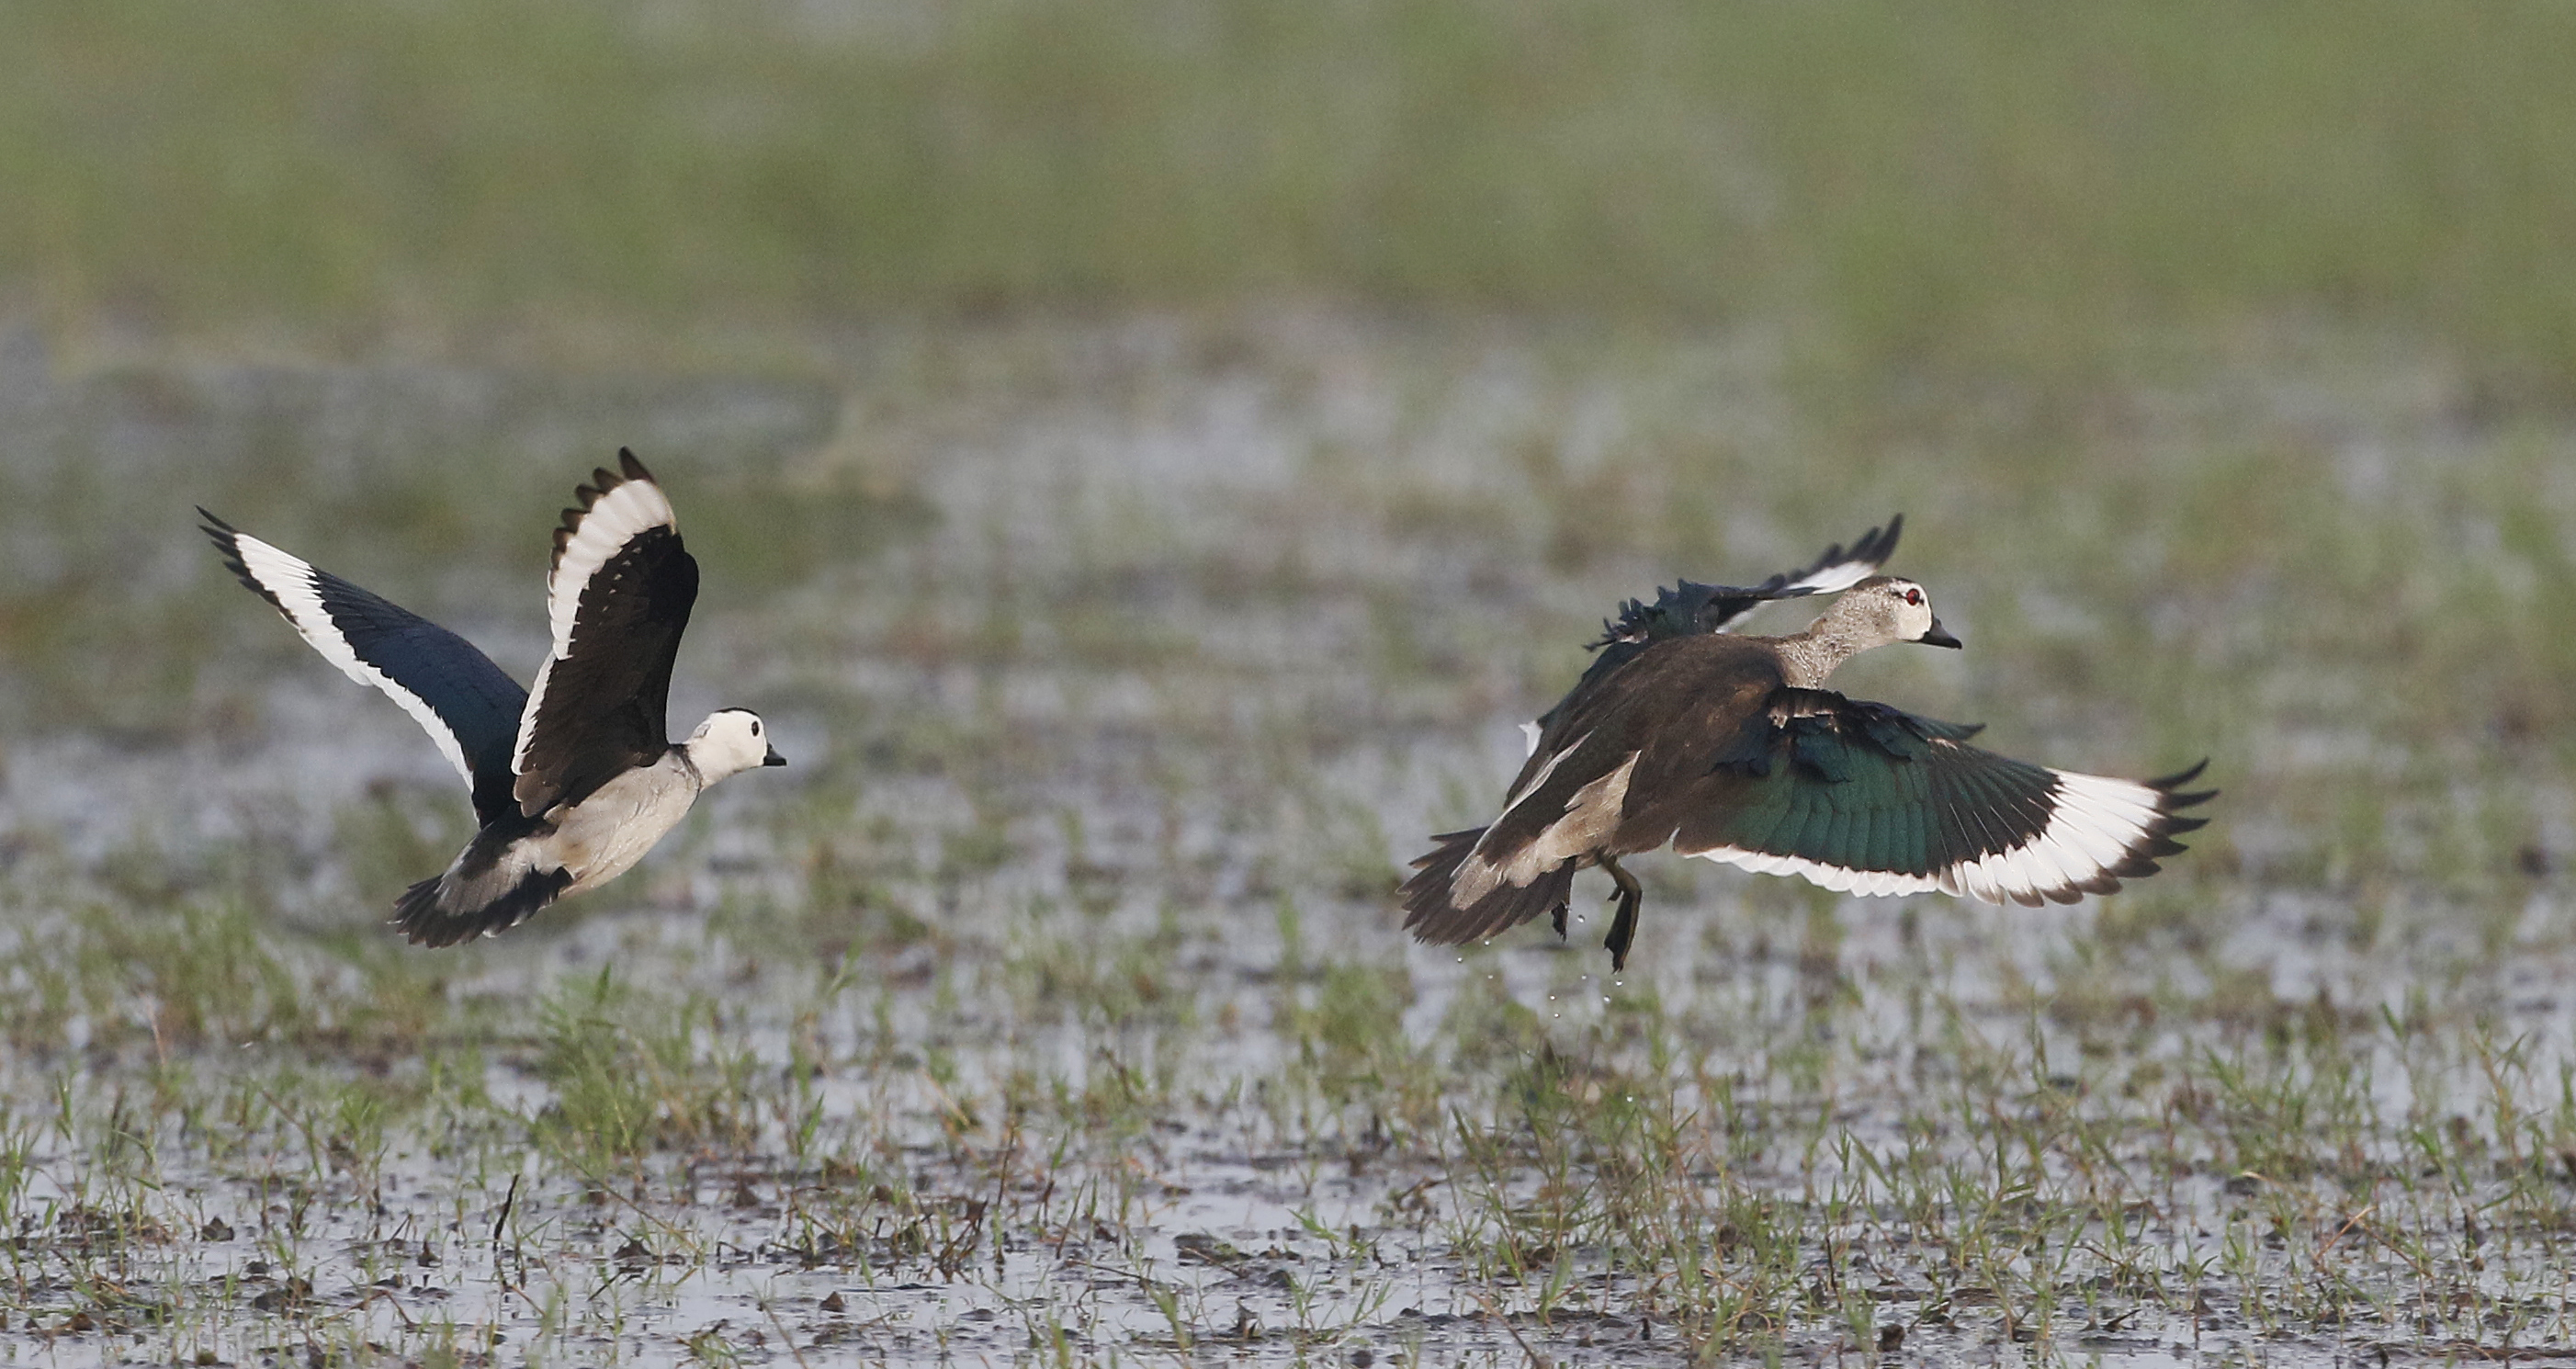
[[1863, 797], [618, 598], [1837, 570], [469, 707], [1689, 607]]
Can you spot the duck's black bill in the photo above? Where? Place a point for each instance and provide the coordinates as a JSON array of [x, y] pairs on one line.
[[773, 758], [1939, 636]]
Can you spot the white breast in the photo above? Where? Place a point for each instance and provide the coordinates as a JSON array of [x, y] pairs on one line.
[[604, 835]]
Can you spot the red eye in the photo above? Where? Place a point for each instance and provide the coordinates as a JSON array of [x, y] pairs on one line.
[[1914, 596]]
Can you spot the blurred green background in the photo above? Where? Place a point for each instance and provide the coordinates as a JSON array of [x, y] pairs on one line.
[[2029, 191]]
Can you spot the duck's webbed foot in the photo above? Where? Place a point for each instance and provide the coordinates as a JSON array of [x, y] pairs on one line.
[[1623, 925], [1557, 916]]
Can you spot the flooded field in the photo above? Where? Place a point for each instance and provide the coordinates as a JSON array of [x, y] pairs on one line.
[[1050, 1008]]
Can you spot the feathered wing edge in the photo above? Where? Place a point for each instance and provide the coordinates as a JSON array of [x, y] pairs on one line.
[[292, 586], [458, 696], [1836, 569], [1710, 608]]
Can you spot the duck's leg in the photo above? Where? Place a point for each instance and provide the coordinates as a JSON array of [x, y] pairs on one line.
[[1623, 926]]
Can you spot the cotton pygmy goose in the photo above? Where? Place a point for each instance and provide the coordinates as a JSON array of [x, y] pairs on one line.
[[574, 781], [1729, 747]]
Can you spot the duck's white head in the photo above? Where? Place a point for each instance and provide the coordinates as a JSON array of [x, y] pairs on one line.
[[1884, 609], [729, 742]]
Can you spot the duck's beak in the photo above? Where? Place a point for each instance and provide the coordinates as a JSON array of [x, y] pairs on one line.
[[1939, 636], [773, 758]]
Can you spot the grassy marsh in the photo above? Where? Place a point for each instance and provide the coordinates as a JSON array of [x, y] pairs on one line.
[[1050, 1009]]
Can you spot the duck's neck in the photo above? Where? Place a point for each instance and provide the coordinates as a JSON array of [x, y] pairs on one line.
[[1808, 658], [707, 762], [684, 756]]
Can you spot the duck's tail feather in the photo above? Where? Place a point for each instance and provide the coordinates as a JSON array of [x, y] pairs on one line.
[[1434, 913]]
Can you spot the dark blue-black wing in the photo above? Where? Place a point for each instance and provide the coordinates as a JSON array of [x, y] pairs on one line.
[[469, 707]]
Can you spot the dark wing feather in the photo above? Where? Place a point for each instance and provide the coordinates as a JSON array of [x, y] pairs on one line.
[[619, 597], [1864, 797], [469, 707]]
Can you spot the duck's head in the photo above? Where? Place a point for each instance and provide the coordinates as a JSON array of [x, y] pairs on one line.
[[1889, 608], [729, 742]]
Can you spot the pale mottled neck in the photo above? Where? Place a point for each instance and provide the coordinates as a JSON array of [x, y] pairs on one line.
[[1809, 657]]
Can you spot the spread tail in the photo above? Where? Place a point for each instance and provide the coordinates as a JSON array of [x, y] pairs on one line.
[[429, 919], [1431, 910], [485, 891]]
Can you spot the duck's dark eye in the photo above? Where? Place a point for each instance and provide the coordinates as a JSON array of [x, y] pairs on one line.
[[1914, 596], [755, 728]]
